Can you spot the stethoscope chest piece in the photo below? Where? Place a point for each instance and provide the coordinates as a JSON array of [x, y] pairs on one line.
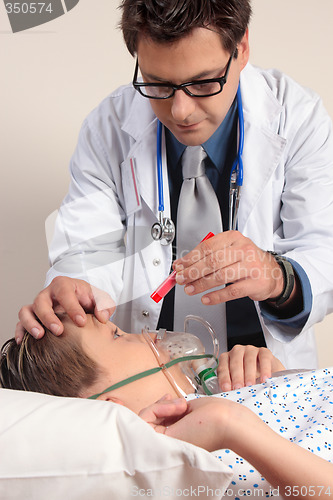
[[163, 231]]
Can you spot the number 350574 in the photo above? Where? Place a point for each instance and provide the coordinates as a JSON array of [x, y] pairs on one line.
[[28, 7]]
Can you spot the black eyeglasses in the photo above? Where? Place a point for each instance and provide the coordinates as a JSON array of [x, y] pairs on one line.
[[197, 88]]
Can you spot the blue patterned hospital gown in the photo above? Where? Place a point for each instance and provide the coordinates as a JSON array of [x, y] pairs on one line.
[[299, 407]]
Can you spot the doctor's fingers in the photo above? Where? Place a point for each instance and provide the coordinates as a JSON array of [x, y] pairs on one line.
[[256, 284], [63, 295], [244, 365], [76, 297], [223, 372], [30, 321], [209, 248], [236, 290], [229, 274], [268, 364], [240, 249], [105, 305], [238, 367], [27, 323], [200, 278]]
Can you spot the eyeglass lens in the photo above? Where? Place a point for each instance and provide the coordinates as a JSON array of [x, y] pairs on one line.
[[198, 90]]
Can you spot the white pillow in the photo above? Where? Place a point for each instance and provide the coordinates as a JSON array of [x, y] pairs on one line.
[[68, 449]]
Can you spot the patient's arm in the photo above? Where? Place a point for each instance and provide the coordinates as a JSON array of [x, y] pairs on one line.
[[73, 296], [213, 423], [243, 365]]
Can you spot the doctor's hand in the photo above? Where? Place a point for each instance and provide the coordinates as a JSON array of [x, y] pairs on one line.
[[246, 365], [73, 296], [231, 259]]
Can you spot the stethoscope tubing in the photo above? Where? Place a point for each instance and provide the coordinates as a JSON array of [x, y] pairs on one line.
[[238, 161], [159, 167]]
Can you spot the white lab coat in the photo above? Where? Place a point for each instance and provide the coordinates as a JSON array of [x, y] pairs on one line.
[[286, 204]]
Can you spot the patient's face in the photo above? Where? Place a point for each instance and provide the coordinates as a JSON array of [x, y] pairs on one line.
[[121, 355]]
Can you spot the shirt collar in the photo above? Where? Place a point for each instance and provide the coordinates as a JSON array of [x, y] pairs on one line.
[[217, 145]]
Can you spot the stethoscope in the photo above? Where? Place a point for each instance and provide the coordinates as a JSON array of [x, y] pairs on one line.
[[164, 230]]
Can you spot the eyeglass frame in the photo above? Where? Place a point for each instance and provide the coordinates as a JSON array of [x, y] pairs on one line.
[[222, 80]]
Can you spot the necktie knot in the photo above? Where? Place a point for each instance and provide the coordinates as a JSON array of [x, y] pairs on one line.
[[193, 162]]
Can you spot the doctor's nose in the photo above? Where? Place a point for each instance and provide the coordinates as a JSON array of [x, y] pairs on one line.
[[182, 106]]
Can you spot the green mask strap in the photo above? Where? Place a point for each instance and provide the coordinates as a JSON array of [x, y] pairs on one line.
[[152, 371]]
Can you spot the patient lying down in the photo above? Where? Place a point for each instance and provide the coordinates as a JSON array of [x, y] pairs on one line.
[[84, 361]]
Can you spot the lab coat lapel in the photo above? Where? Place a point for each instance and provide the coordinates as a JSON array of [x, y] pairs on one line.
[[263, 147], [142, 126]]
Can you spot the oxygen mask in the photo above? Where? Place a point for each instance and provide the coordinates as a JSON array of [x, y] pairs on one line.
[[182, 357]]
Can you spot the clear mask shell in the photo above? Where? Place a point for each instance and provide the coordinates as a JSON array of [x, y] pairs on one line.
[[168, 346]]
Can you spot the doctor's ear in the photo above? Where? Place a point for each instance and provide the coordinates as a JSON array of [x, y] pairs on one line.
[[243, 50]]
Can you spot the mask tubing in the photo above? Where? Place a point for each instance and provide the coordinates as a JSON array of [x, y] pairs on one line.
[[208, 327]]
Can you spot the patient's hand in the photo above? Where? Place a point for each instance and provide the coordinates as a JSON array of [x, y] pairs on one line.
[[73, 296], [201, 421], [164, 412], [205, 421], [243, 365], [209, 422]]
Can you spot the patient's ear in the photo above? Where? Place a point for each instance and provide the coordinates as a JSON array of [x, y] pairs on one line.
[[108, 397]]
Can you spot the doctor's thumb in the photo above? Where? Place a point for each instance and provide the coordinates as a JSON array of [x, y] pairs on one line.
[[103, 315]]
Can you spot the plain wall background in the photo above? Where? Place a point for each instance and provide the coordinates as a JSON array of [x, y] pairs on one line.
[[53, 75]]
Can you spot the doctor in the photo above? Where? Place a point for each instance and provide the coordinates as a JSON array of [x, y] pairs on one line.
[[103, 230]]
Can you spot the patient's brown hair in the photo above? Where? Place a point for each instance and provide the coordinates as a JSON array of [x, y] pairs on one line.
[[51, 365]]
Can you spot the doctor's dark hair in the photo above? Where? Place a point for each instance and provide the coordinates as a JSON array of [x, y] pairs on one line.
[[51, 365], [167, 21]]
